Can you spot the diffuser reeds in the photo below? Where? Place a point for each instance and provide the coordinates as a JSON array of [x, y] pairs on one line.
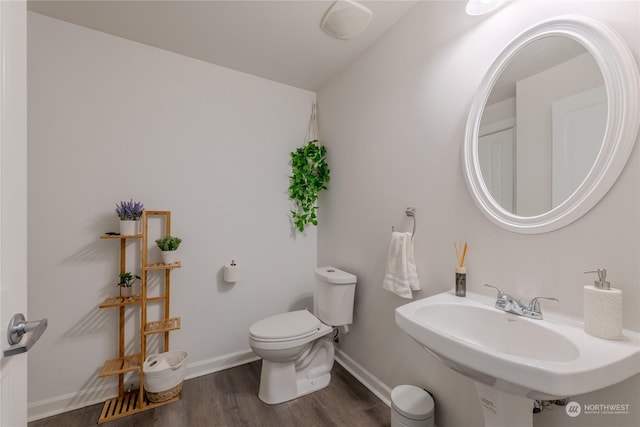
[[461, 252]]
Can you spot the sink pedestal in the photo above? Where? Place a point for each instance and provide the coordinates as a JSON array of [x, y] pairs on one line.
[[502, 409]]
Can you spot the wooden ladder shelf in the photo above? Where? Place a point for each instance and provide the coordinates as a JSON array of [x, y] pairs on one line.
[[129, 402]]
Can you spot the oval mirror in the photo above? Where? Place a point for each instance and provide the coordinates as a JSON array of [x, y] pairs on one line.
[[552, 125]]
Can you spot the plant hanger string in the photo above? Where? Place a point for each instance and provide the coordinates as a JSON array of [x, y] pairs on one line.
[[312, 130]]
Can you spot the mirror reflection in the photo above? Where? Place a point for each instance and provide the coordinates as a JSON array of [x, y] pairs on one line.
[[542, 126]]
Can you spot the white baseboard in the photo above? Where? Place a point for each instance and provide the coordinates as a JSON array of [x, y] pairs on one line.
[[220, 363], [377, 387], [68, 402]]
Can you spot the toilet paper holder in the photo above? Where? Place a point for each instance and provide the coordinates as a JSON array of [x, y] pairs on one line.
[[231, 272]]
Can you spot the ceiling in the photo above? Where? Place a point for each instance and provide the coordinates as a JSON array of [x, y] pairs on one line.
[[277, 40]]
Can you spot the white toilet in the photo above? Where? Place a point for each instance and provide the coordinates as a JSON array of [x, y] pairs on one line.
[[297, 347]]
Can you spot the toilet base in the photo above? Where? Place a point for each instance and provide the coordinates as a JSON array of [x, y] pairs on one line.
[[306, 386], [274, 392], [281, 382]]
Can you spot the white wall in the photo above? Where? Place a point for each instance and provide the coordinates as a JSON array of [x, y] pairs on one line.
[[110, 119], [394, 125]]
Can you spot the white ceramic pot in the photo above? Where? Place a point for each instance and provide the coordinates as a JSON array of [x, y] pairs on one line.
[[126, 291], [169, 257], [128, 227]]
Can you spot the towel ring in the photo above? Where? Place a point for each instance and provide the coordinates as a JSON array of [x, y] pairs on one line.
[[411, 213]]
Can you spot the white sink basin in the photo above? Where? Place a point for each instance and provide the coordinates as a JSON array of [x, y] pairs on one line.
[[540, 359], [487, 327]]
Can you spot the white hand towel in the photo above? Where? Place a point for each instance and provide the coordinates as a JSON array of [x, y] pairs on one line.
[[401, 274]]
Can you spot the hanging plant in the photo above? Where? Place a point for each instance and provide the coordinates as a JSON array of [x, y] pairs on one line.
[[309, 175]]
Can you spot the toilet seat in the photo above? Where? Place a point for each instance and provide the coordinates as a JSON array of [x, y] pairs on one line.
[[286, 330], [285, 326], [283, 340]]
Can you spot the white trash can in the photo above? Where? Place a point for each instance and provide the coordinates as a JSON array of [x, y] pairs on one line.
[[411, 406]]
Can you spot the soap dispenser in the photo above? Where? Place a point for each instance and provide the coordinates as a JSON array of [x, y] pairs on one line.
[[602, 308]]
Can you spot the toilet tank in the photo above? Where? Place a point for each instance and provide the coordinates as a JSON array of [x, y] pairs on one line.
[[335, 290]]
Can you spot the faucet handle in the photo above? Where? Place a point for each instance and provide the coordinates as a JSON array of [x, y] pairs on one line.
[[500, 292], [534, 305]]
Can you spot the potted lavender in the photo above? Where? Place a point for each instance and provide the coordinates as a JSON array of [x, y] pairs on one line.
[[129, 214]]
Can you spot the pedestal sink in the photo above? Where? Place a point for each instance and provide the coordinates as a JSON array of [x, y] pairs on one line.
[[514, 360]]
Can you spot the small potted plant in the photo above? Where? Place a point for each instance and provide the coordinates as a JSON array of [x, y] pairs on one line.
[[126, 284], [168, 246], [129, 214]]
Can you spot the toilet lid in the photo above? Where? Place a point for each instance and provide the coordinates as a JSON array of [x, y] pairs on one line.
[[285, 325]]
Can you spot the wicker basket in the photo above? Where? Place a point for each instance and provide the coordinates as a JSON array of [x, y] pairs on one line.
[[164, 395], [164, 375]]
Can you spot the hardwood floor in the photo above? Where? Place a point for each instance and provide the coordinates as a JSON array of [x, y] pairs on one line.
[[229, 398]]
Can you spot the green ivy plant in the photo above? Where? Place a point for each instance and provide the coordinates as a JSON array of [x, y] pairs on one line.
[[309, 175]]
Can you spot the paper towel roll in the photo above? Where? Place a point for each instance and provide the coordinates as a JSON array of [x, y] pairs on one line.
[[231, 272], [603, 312]]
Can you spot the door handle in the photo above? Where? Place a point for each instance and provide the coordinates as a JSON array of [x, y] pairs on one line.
[[18, 326]]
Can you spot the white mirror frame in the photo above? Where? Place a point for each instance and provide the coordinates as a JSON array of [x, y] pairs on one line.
[[622, 81]]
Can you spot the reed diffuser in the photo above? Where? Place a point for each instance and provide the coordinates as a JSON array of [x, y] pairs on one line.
[[461, 270]]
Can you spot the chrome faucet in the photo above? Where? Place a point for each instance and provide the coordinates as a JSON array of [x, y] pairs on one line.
[[506, 302]]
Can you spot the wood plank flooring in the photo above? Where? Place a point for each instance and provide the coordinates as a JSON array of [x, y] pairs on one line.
[[230, 398]]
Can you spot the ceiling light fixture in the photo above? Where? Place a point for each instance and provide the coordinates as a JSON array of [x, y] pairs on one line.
[[345, 19], [481, 7]]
